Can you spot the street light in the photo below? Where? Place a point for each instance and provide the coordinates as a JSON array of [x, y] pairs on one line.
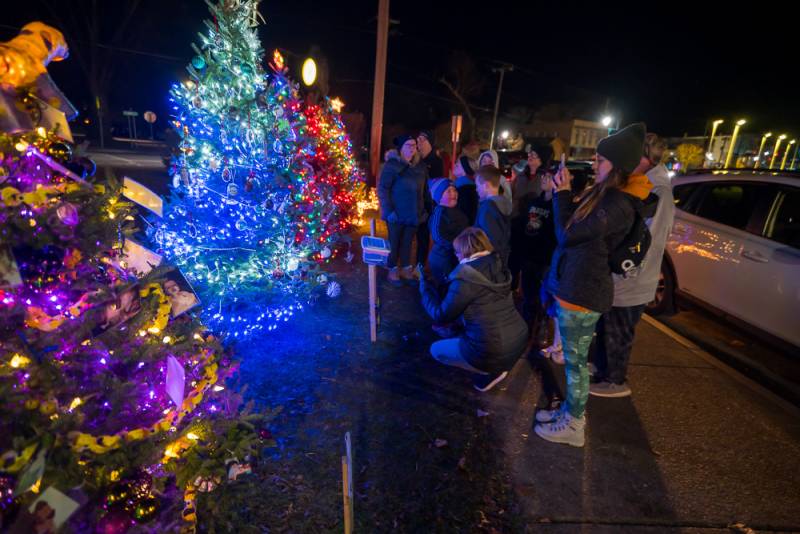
[[714, 127], [786, 152], [760, 148], [607, 121], [775, 150], [309, 72], [739, 124], [504, 135]]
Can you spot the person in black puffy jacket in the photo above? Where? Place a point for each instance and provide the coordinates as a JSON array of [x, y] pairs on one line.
[[400, 192], [479, 295], [465, 185], [580, 275]]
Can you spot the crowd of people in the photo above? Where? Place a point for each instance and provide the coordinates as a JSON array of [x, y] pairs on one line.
[[529, 264]]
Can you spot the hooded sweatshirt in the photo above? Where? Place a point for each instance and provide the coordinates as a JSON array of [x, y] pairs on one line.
[[505, 187], [479, 294], [494, 218], [639, 286]]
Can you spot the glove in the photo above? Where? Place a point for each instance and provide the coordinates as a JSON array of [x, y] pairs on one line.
[[392, 218]]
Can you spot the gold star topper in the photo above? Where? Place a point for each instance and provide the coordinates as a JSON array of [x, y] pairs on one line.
[[256, 18], [337, 104]]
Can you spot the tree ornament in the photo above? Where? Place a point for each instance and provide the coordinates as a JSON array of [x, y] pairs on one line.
[[197, 102], [349, 257], [326, 252], [213, 164], [146, 509], [227, 175], [198, 62], [116, 521], [278, 273], [241, 224], [246, 69], [292, 265], [334, 290], [67, 213], [60, 152], [232, 189], [185, 177], [322, 279]]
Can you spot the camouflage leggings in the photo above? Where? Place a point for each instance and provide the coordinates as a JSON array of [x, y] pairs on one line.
[[576, 336]]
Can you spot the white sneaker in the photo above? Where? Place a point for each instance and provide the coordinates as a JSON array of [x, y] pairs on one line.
[[566, 429], [546, 416]]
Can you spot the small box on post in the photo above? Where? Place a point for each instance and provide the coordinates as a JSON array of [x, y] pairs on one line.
[[375, 250]]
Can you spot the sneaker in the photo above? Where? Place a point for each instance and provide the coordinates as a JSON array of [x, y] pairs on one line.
[[409, 275], [566, 429], [484, 383], [394, 277], [547, 415], [609, 389]]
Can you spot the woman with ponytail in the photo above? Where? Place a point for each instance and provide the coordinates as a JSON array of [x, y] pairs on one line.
[[587, 231]]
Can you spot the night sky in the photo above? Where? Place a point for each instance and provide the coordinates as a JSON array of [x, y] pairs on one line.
[[674, 66]]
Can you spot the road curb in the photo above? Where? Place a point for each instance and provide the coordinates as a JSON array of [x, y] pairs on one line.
[[732, 365]]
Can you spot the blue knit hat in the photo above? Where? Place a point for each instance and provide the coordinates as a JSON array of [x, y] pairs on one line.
[[437, 187]]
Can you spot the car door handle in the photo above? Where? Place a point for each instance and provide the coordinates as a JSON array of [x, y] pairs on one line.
[[755, 256]]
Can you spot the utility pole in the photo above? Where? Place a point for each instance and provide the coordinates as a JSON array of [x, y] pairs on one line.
[[379, 88], [502, 70]]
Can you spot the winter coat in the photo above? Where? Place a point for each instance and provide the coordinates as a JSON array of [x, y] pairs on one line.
[[579, 272], [401, 189], [445, 225], [468, 198], [505, 187], [479, 294], [639, 286], [434, 165], [532, 230], [494, 218]]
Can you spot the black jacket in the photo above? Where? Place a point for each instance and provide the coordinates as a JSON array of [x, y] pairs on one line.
[[445, 224], [401, 189], [579, 272], [532, 230], [480, 294], [494, 218], [434, 165], [467, 198]]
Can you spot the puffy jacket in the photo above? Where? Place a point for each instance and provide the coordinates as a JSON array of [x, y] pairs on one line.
[[532, 232], [445, 225], [479, 294], [494, 218], [579, 272], [401, 191]]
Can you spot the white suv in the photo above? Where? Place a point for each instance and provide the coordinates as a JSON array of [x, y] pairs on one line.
[[735, 248]]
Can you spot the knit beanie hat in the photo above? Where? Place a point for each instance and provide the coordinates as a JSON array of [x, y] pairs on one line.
[[437, 187], [545, 153], [428, 134], [400, 140], [466, 165], [624, 148]]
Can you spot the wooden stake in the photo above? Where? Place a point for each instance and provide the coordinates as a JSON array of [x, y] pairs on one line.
[[373, 293], [346, 501]]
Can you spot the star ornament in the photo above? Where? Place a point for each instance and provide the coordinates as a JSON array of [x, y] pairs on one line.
[[255, 17], [337, 104]]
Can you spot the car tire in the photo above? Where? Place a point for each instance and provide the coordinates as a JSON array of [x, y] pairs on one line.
[[664, 301]]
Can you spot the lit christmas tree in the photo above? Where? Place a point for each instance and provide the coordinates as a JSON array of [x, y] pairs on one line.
[[250, 221], [104, 391]]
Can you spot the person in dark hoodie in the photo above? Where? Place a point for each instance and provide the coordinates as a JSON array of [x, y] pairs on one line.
[[494, 210], [446, 223], [400, 192], [465, 185], [580, 276], [479, 294]]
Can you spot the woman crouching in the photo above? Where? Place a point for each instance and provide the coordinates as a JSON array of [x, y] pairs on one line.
[[479, 295]]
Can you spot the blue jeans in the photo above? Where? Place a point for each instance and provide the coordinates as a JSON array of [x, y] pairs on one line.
[[448, 352]]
